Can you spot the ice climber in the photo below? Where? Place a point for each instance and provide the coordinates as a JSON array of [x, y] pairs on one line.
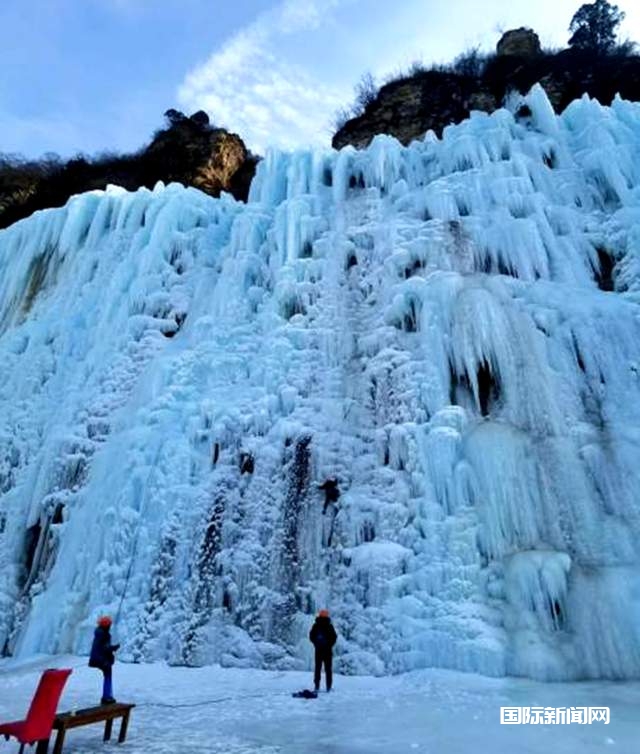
[[103, 656], [331, 492], [323, 637]]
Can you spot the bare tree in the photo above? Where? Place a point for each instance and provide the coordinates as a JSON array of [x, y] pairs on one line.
[[366, 91]]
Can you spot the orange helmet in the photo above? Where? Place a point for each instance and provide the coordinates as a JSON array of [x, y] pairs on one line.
[[323, 614], [104, 621]]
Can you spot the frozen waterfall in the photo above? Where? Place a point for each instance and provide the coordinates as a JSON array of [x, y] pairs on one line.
[[451, 330]]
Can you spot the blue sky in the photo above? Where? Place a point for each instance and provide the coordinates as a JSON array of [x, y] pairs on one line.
[[94, 75]]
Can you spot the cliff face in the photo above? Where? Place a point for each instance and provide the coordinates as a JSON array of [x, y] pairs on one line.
[[409, 107], [188, 151]]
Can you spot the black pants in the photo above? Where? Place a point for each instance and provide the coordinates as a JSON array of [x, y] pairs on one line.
[[323, 657]]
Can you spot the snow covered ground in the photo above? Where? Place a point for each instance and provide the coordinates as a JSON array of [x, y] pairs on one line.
[[238, 711]]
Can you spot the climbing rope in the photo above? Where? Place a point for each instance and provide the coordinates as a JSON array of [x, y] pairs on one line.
[[206, 702]]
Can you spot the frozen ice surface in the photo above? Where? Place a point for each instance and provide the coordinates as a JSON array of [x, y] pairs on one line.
[[450, 329], [235, 711]]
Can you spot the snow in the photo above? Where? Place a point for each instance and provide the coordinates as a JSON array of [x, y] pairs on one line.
[[252, 712], [450, 329]]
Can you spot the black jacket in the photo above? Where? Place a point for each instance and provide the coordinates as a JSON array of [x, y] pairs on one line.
[[323, 635], [102, 650], [331, 490]]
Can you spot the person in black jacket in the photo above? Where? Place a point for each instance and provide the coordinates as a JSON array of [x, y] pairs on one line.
[[103, 656], [323, 637], [331, 492]]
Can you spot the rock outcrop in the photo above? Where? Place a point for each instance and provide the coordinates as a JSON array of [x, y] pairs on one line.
[[188, 151], [522, 42], [409, 108], [227, 156], [197, 154], [432, 99]]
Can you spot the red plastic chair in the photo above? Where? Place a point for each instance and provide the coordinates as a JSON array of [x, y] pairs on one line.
[[39, 721]]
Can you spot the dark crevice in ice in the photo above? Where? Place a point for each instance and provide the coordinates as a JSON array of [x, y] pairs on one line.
[[461, 392], [415, 268], [490, 267], [292, 306], [579, 359], [31, 540], [488, 388], [604, 273], [297, 474]]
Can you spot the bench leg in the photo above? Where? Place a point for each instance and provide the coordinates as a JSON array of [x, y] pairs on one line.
[[123, 728], [43, 746], [107, 729], [57, 749]]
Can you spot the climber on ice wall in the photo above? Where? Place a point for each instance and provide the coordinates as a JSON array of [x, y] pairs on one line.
[[323, 637], [331, 492], [103, 656]]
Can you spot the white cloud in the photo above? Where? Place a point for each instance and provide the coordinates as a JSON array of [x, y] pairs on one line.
[[278, 81], [251, 85]]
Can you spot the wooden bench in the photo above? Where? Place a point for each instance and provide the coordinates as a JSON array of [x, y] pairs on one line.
[[106, 713]]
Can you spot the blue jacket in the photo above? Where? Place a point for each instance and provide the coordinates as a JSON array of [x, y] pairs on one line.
[[102, 650]]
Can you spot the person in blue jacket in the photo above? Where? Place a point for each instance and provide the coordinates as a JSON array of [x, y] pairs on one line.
[[323, 637], [103, 656]]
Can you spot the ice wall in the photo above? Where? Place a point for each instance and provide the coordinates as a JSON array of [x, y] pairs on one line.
[[450, 330]]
